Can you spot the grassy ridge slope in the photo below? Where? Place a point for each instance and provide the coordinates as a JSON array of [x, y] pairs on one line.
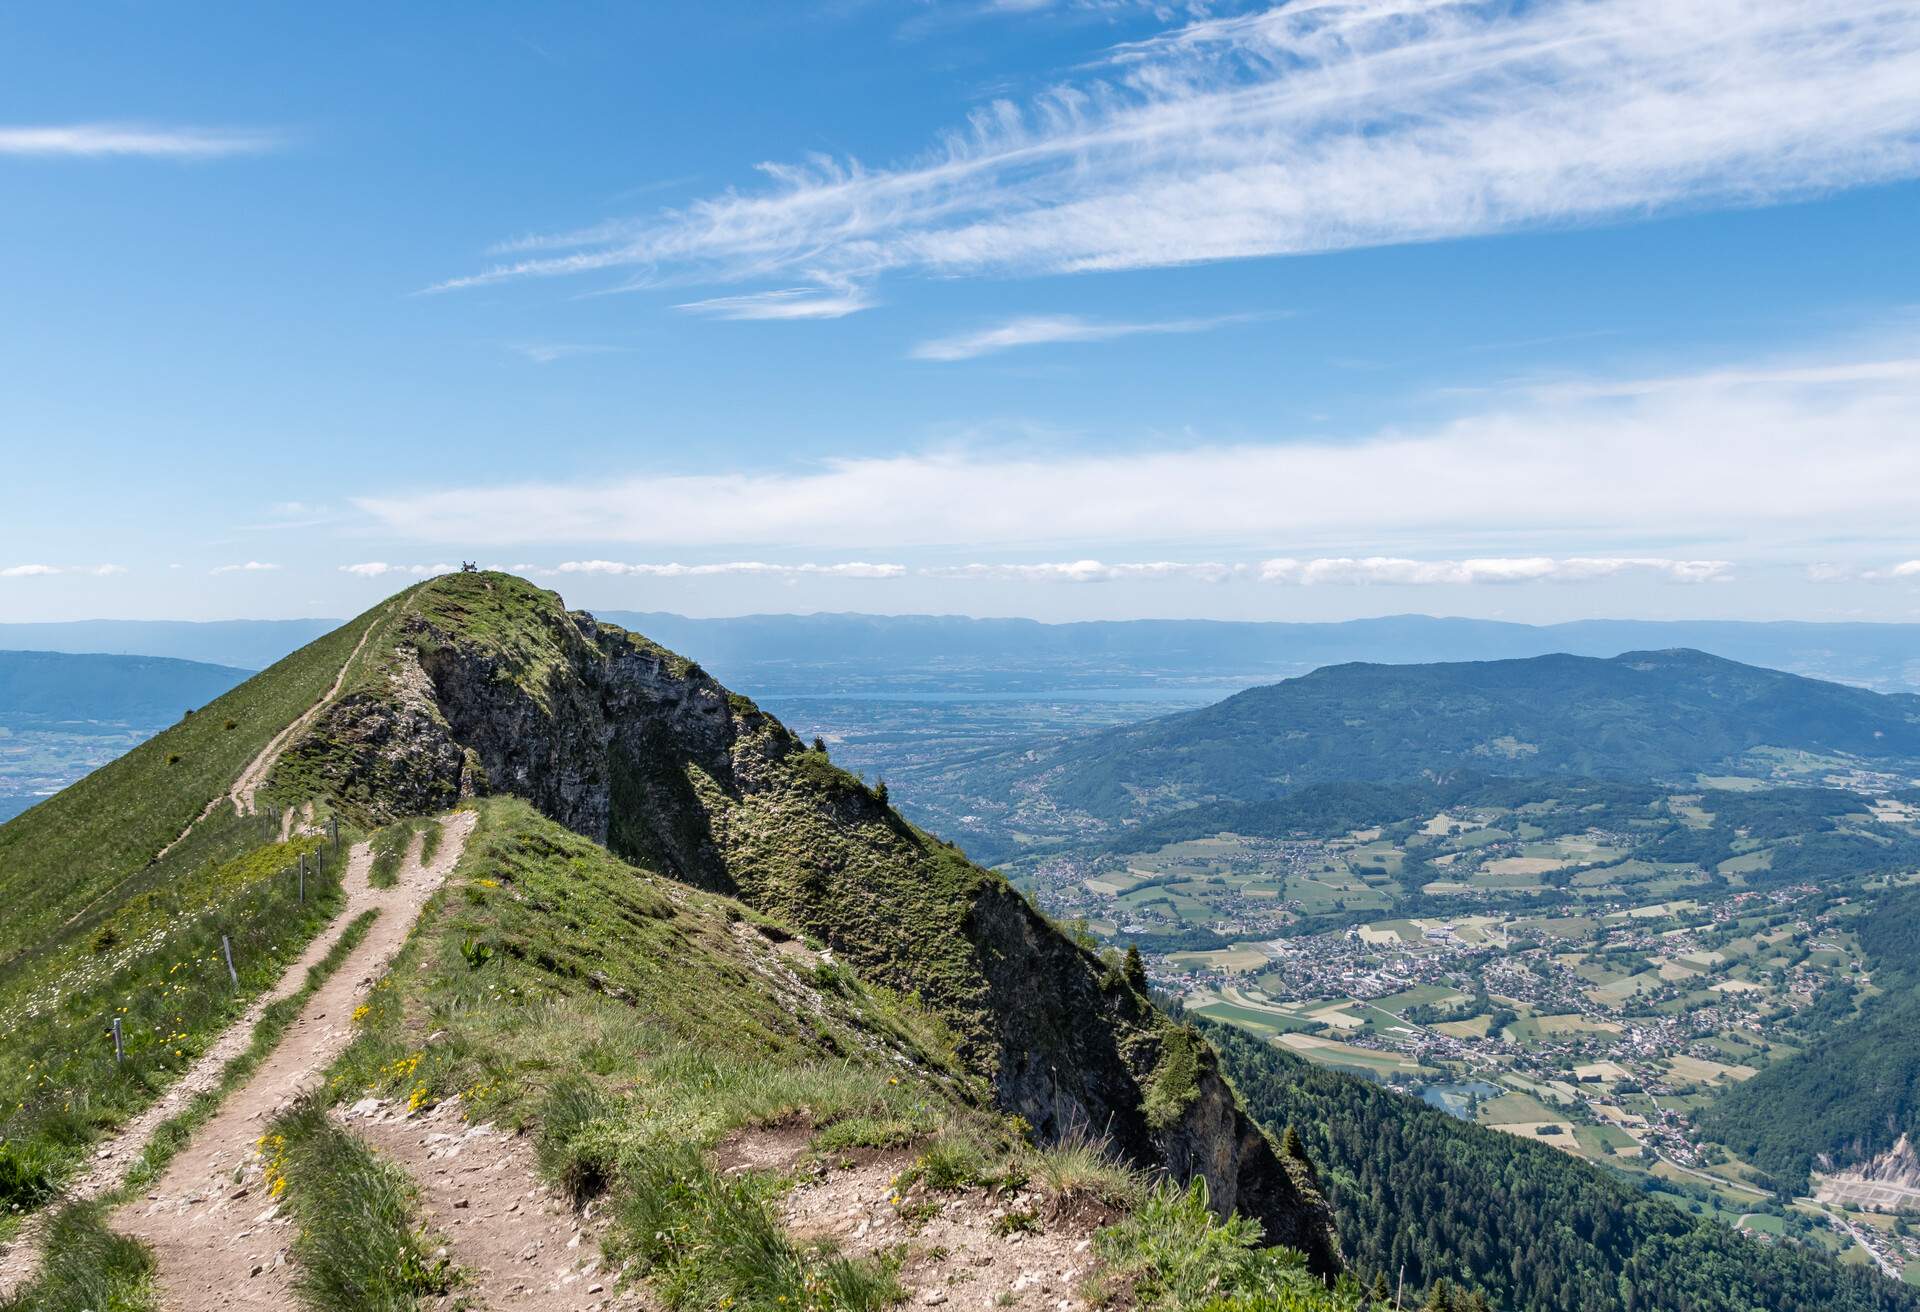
[[484, 683], [632, 1025], [60, 855]]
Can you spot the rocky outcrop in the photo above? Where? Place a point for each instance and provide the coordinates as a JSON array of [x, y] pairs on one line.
[[639, 749], [1888, 1183]]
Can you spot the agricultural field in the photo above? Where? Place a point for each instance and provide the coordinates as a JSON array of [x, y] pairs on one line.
[[1587, 975]]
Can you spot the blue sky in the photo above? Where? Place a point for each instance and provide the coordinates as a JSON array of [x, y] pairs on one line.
[[1064, 309]]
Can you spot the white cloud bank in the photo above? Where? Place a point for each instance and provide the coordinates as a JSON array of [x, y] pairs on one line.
[[97, 140], [1044, 330], [1351, 570], [1771, 459], [853, 569], [1907, 571], [1092, 571], [374, 569], [1489, 569], [46, 571], [246, 567], [1324, 125]]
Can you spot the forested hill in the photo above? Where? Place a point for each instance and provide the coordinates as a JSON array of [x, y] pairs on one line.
[[1422, 1196], [1856, 1090], [1642, 715]]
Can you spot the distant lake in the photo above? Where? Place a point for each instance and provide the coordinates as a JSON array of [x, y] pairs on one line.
[[1453, 1098]]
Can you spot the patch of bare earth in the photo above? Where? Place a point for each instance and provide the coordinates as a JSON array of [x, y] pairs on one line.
[[519, 1245], [961, 1249], [219, 1241]]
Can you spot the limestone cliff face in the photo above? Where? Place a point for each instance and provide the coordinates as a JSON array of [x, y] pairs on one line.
[[487, 684], [1887, 1183]]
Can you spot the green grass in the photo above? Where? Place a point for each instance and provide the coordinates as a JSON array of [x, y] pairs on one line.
[[84, 1266], [1084, 1165], [88, 1268], [59, 856], [1174, 1255], [712, 1241], [390, 849], [358, 1247], [166, 981]]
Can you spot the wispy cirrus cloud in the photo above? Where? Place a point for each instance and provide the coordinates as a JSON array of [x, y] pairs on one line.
[[102, 140], [549, 352], [785, 303], [245, 567], [1325, 125], [47, 571], [1046, 329], [1765, 458]]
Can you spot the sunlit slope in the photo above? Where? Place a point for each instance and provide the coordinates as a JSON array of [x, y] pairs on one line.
[[483, 684], [59, 856]]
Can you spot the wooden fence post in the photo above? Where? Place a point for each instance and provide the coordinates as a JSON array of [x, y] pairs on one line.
[[119, 1052], [227, 948]]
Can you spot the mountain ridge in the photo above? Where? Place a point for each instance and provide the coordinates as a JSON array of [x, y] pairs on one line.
[[1637, 715], [482, 683]]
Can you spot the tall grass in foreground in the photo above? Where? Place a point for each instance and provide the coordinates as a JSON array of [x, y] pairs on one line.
[[1174, 1255], [164, 977], [88, 1268], [389, 850], [713, 1241], [1083, 1165], [358, 1247]]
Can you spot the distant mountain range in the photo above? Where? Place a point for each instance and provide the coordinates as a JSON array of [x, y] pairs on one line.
[[776, 654], [245, 644], [1641, 715], [772, 654]]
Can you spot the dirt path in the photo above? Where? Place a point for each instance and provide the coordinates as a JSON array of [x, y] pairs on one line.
[[255, 774], [520, 1245], [217, 1239], [112, 1159], [241, 794], [960, 1248]]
